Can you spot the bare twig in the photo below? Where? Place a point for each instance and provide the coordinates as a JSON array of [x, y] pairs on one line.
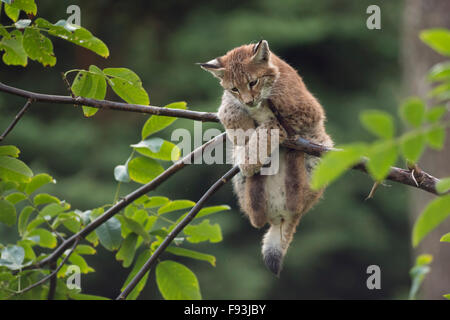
[[372, 191], [16, 119], [183, 223]]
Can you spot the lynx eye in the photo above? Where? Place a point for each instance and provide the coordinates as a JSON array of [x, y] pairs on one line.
[[253, 83], [235, 89]]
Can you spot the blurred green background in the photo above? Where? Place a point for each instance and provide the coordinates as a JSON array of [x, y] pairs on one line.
[[348, 67]]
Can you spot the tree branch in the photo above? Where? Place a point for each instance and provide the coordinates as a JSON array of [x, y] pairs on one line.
[[183, 223], [177, 166], [113, 105]]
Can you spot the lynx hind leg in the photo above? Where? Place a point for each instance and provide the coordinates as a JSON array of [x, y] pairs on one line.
[[250, 192]]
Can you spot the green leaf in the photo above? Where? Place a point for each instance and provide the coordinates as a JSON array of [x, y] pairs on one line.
[[141, 260], [27, 245], [83, 249], [382, 155], [46, 238], [78, 35], [412, 145], [11, 12], [12, 257], [52, 209], [12, 169], [29, 6], [157, 123], [436, 137], [121, 173], [11, 151], [435, 114], [418, 273], [443, 185], [127, 250], [90, 85], [177, 282], [109, 234], [192, 254], [378, 122], [158, 148], [14, 52], [38, 47], [412, 111], [155, 202], [438, 39], [441, 92], [143, 170], [38, 181], [23, 219], [15, 197], [22, 23], [176, 205], [334, 163], [203, 232], [136, 228], [44, 198], [127, 85], [447, 296], [440, 72], [435, 213], [445, 237], [7, 213]]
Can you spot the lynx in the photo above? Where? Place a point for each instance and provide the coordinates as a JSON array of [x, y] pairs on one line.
[[255, 81]]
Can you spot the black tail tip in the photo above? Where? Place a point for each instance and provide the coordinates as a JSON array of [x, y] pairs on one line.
[[273, 259]]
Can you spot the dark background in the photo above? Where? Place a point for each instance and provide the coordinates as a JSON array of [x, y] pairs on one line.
[[348, 67]]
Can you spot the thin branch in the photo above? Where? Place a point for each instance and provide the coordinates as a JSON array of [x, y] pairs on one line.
[[16, 119], [53, 273], [177, 166], [183, 223]]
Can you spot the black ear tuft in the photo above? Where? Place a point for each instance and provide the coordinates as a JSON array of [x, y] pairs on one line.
[[255, 48], [208, 65], [261, 52]]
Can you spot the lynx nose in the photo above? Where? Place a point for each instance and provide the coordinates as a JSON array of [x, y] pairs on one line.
[[249, 102]]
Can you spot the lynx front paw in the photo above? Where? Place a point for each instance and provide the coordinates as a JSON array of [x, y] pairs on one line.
[[249, 170]]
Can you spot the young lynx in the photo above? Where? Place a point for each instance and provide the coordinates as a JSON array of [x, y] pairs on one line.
[[254, 80]]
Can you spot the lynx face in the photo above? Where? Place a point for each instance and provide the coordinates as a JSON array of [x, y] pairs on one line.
[[246, 72]]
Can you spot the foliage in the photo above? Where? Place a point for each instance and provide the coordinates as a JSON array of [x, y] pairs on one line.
[[43, 221], [427, 129]]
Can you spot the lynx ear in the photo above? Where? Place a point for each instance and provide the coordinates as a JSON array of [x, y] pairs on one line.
[[261, 52], [214, 66]]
